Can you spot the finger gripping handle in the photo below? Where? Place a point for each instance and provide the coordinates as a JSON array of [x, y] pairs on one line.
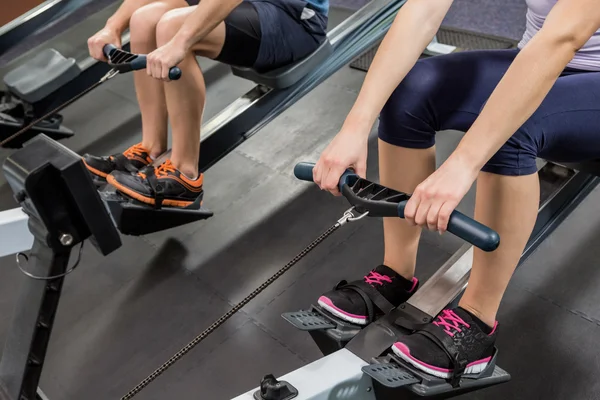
[[467, 229], [140, 63], [304, 172], [108, 50]]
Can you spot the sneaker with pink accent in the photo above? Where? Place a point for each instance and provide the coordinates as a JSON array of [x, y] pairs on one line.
[[456, 343], [362, 301]]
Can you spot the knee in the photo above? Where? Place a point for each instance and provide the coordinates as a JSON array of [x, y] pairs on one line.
[[144, 21], [516, 157], [167, 27], [408, 118]]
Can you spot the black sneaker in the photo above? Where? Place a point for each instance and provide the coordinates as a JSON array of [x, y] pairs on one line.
[[360, 302], [454, 332], [131, 160], [161, 186]]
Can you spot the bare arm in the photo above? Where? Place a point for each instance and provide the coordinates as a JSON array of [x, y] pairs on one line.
[[413, 29], [532, 74], [206, 17]]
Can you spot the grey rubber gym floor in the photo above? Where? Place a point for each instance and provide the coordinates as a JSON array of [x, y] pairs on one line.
[[123, 315]]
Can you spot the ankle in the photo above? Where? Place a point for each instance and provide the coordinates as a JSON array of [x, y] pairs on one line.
[[189, 170], [402, 269], [486, 318], [155, 149]]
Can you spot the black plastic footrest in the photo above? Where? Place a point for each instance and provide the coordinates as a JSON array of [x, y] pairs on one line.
[[134, 218], [307, 320], [393, 373], [9, 128], [390, 375], [329, 332]]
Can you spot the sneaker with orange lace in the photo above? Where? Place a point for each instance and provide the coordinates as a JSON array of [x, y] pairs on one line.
[[131, 160], [162, 186]]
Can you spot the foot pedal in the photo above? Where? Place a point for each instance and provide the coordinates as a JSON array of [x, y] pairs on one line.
[[329, 332], [308, 320], [134, 218], [392, 372], [390, 375]]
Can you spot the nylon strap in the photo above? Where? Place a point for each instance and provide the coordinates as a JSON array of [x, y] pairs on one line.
[[157, 190], [445, 342]]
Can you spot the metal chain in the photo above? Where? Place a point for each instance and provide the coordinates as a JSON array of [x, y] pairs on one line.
[[112, 73], [348, 216]]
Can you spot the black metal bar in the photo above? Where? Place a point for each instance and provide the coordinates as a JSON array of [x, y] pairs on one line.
[[27, 341]]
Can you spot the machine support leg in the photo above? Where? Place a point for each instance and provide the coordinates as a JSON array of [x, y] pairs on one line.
[[27, 341]]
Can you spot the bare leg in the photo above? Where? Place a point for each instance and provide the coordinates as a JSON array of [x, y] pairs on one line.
[[186, 97], [507, 204], [402, 169], [150, 92]]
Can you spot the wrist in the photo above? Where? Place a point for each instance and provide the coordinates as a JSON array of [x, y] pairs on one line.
[[469, 159], [116, 25], [360, 123], [184, 39]]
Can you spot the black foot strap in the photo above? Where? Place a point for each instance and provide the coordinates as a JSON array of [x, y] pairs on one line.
[[120, 163], [371, 296], [157, 190], [445, 342]]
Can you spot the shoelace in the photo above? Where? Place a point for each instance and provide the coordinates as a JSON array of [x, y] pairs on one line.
[[377, 278], [165, 168], [135, 150], [450, 322]]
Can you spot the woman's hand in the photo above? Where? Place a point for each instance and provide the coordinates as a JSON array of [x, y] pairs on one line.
[[347, 150], [161, 60], [437, 196], [103, 37]]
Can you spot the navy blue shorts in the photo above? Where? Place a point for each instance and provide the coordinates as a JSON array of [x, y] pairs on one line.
[[268, 34], [448, 92]]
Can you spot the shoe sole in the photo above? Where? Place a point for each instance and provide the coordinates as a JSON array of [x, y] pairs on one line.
[[474, 368], [327, 304], [95, 171], [147, 200]]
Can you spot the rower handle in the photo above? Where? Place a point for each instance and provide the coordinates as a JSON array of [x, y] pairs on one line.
[[139, 62], [459, 224]]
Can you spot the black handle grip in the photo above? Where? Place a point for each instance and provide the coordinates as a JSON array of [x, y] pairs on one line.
[[467, 229], [304, 172], [108, 50], [139, 62]]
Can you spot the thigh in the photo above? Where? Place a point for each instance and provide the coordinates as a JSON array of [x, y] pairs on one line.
[[439, 93], [290, 32], [566, 126], [242, 37], [461, 83]]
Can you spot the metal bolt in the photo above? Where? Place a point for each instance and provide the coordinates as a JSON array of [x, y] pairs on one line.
[[425, 319], [20, 196], [369, 389], [66, 239]]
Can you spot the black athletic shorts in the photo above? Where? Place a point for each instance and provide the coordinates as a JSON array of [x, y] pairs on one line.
[[242, 37], [267, 34]]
